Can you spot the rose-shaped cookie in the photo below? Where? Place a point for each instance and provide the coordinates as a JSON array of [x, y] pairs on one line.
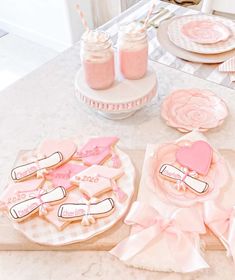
[[168, 191], [188, 109]]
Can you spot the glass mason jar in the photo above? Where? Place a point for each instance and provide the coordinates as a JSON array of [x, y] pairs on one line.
[[97, 58], [133, 51]]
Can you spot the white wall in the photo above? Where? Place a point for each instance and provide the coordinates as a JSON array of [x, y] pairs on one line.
[[47, 22]]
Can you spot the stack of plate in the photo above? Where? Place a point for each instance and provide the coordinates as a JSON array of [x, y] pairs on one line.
[[198, 38]]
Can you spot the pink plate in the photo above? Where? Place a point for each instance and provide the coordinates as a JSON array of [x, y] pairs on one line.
[[217, 176], [206, 31], [189, 109]]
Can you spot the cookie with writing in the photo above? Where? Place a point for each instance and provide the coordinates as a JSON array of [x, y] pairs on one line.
[[96, 150], [61, 175], [86, 210], [97, 179], [183, 178], [39, 201], [29, 169], [72, 196]]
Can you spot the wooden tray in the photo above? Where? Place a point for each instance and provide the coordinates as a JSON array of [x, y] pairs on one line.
[[11, 239]]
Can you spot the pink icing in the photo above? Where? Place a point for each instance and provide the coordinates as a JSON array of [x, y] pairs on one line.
[[61, 175], [66, 147], [17, 192], [72, 196], [134, 63], [197, 157], [96, 179], [96, 150], [99, 75]]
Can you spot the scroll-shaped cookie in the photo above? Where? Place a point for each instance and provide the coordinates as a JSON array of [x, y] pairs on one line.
[[86, 211], [174, 174], [29, 169], [24, 209]]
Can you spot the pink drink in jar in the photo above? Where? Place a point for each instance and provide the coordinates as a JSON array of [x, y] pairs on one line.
[[133, 51], [97, 58]]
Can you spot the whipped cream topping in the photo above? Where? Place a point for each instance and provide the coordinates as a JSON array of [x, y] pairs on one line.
[[94, 36], [132, 28]]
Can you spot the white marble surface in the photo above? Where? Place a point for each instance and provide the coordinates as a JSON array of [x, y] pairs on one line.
[[19, 56], [43, 105], [97, 265]]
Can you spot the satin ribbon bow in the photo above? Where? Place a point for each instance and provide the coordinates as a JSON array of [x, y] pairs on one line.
[[180, 184], [44, 207], [147, 225], [88, 219], [222, 223]]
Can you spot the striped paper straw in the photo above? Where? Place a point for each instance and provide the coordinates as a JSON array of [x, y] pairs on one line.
[[83, 20], [149, 14]]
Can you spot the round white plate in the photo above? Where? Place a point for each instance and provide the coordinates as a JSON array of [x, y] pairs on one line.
[[187, 55], [177, 37], [41, 231], [121, 100]]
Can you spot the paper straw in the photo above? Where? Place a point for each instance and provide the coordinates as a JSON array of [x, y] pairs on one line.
[[149, 14], [83, 20]]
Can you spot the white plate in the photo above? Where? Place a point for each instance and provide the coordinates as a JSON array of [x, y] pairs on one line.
[[40, 231], [187, 55], [176, 36]]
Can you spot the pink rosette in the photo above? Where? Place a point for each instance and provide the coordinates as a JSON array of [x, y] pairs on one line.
[[167, 191], [188, 109]]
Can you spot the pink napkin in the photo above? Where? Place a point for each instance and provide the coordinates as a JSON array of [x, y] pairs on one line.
[[229, 67], [153, 221]]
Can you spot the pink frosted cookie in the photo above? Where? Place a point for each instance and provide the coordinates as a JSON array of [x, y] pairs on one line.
[[96, 150], [66, 147], [49, 155], [61, 175], [17, 192], [34, 166], [73, 196], [86, 211], [97, 179], [38, 201]]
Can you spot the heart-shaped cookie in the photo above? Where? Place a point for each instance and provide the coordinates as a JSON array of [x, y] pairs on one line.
[[197, 157]]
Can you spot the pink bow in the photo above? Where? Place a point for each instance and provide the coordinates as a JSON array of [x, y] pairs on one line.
[[148, 225], [180, 184], [43, 207], [222, 223]]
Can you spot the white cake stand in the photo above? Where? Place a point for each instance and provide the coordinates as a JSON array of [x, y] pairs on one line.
[[121, 100]]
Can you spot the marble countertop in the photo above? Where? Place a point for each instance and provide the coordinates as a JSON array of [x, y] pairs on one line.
[[43, 105]]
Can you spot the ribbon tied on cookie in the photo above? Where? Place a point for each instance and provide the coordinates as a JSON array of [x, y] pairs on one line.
[[86, 210], [147, 225], [222, 223], [40, 201]]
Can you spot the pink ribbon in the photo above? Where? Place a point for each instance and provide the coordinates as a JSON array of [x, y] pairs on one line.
[[43, 207], [180, 184], [147, 225], [222, 223]]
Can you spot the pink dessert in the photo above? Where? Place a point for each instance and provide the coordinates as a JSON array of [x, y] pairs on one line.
[[99, 75], [133, 51], [97, 58], [134, 63]]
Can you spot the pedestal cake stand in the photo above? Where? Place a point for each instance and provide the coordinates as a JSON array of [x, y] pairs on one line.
[[121, 100]]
